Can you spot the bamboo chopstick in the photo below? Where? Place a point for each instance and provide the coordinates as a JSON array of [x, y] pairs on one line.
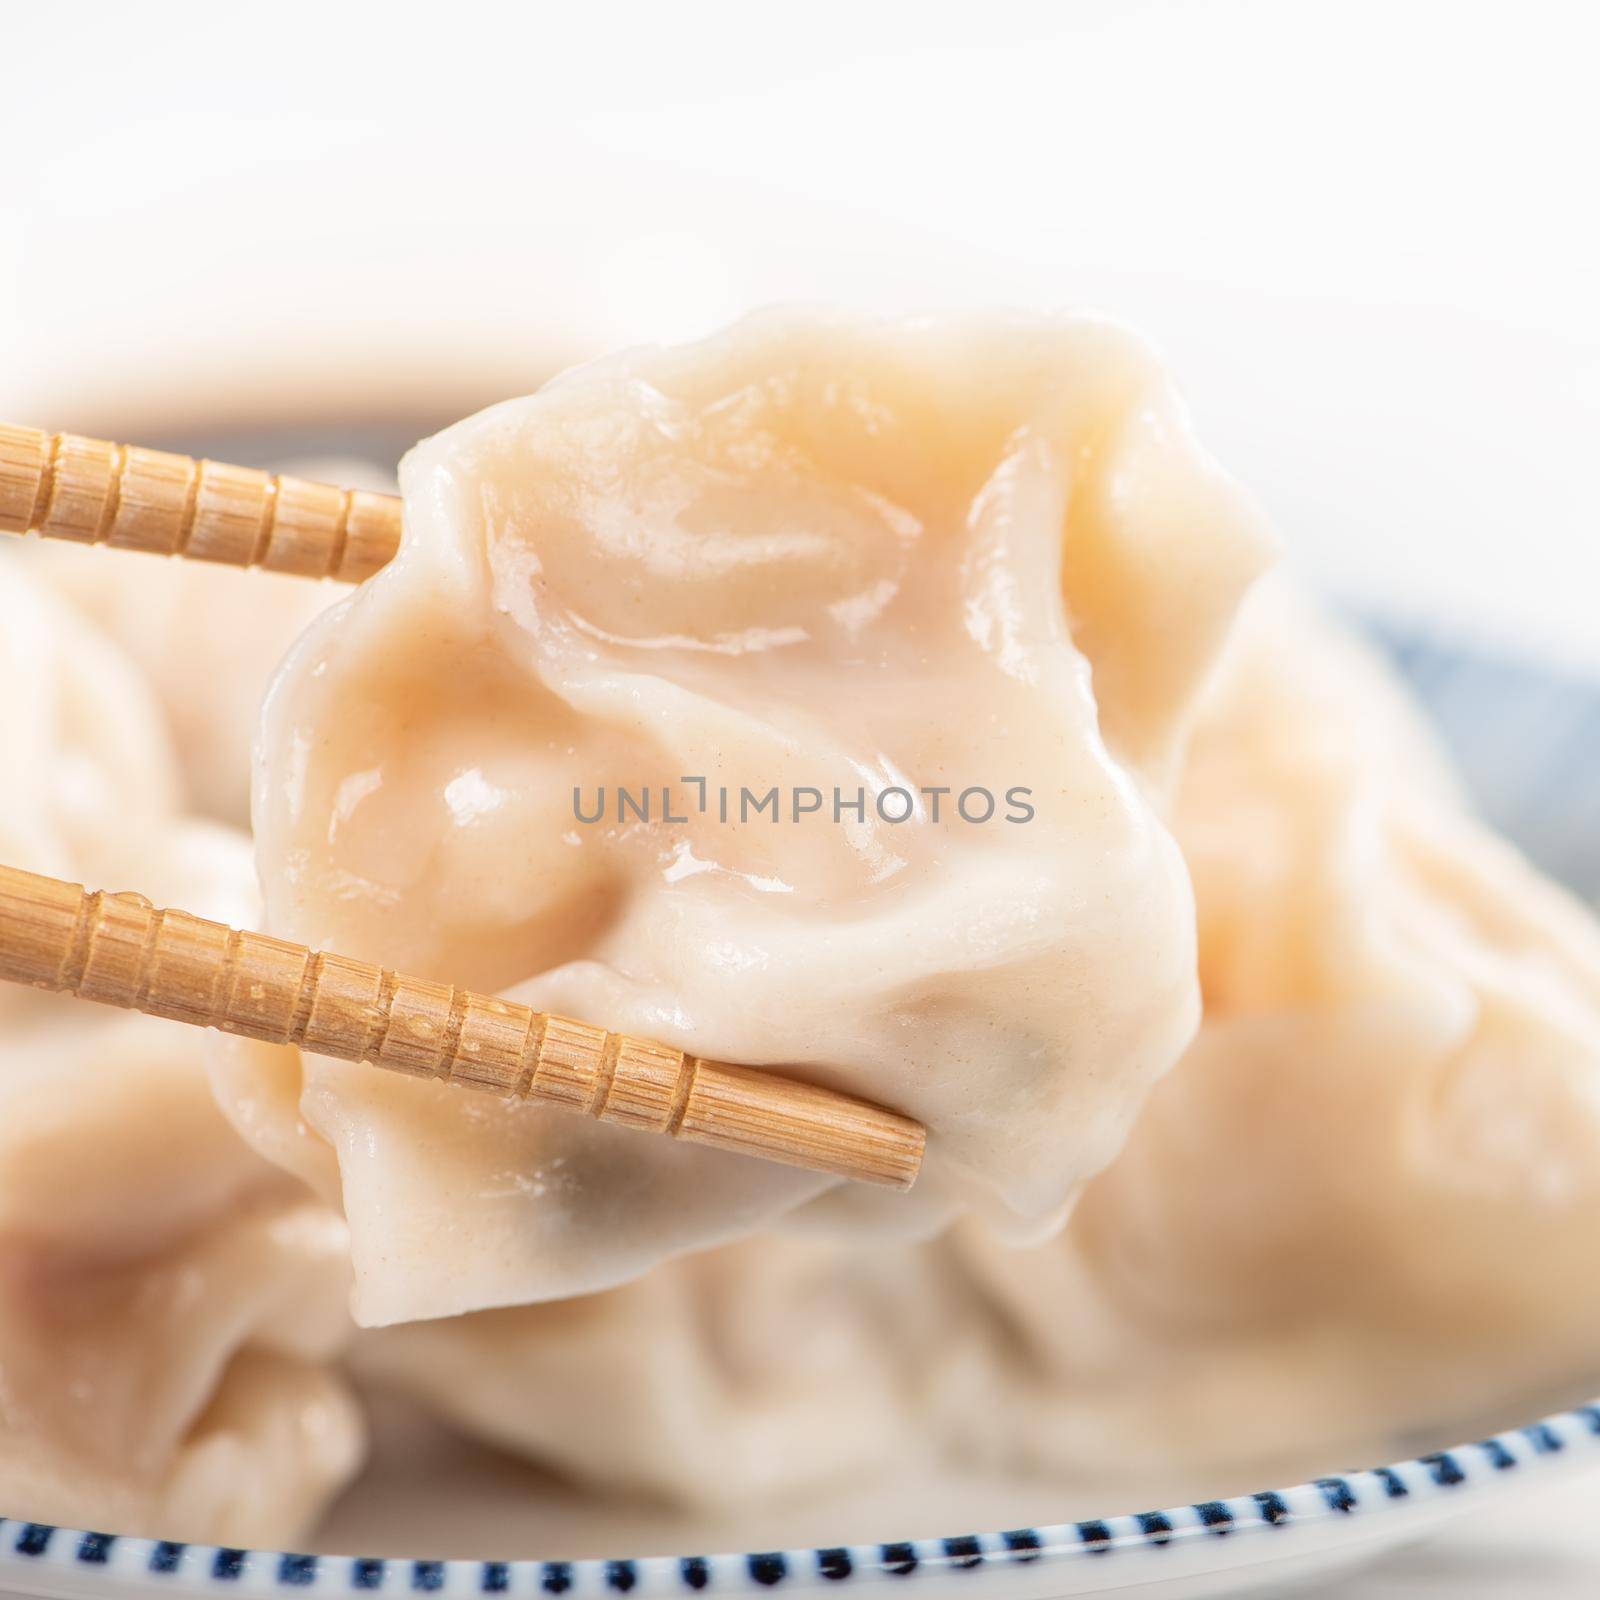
[[64, 486], [120, 950]]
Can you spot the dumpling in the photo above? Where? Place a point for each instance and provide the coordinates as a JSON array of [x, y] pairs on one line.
[[1363, 1212], [746, 1375], [169, 1300], [973, 571], [84, 758], [169, 1303], [206, 639]]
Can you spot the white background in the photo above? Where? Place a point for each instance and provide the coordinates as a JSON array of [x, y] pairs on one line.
[[1365, 233]]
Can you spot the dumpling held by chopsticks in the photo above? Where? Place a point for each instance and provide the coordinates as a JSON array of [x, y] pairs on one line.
[[804, 697]]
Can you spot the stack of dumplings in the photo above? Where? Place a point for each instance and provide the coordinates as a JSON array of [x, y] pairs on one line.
[[973, 766]]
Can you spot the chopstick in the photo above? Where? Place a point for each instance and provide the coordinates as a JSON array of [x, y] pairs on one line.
[[120, 950], [64, 486]]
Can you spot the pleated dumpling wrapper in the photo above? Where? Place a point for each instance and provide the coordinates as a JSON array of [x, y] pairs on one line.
[[170, 1302], [889, 633]]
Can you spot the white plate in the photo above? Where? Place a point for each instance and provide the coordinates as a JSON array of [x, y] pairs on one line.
[[1241, 1545]]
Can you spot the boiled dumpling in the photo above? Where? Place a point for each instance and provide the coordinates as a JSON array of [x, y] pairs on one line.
[[206, 639], [84, 758], [1362, 1213], [971, 565], [169, 1301], [754, 1373]]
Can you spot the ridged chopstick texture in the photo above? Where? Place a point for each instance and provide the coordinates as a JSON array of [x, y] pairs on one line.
[[122, 951], [89, 491]]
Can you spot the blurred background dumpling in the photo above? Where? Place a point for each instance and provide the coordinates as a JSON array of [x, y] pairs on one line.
[[1362, 1213], [170, 1301], [85, 753], [755, 1374], [205, 638]]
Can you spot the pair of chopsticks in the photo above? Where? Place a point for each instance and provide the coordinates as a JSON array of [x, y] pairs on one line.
[[122, 951]]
